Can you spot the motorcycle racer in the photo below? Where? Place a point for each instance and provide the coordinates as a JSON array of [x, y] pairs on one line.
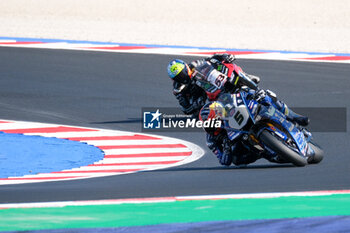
[[190, 93], [190, 96], [217, 140]]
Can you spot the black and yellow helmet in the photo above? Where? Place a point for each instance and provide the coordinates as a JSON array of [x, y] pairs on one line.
[[179, 71]]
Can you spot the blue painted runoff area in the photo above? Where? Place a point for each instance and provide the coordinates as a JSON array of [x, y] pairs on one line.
[[27, 155], [325, 224]]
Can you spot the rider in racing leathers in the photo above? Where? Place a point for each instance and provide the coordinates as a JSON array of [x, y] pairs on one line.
[[191, 97], [226, 151]]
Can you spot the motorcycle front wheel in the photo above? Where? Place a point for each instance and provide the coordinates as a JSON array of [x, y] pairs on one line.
[[271, 141], [318, 153]]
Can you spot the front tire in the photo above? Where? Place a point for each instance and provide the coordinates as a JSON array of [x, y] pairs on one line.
[[318, 153], [268, 139]]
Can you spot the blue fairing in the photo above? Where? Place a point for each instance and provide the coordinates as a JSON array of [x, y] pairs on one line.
[[271, 113], [251, 104], [232, 135]]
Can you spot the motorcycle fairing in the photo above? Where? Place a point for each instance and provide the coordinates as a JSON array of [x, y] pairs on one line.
[[232, 135], [276, 116]]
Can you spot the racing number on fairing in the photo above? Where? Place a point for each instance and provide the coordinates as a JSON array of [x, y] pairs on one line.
[[219, 80], [238, 117]]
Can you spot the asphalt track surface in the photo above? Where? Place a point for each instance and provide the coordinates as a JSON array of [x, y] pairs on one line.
[[108, 90]]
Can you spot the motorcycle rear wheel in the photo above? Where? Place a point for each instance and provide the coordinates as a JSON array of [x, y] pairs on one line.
[[268, 139]]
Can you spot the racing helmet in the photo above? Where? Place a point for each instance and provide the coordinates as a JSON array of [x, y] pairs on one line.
[[214, 111], [179, 71]]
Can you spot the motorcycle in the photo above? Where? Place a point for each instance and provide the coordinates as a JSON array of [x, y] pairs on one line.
[[265, 130]]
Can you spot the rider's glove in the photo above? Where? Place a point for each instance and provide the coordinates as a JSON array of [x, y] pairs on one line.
[[230, 58], [260, 95], [226, 159], [224, 57]]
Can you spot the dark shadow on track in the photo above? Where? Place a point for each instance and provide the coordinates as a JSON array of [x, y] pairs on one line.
[[129, 121]]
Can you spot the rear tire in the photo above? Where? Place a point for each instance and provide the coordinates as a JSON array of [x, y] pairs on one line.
[[318, 153], [281, 149]]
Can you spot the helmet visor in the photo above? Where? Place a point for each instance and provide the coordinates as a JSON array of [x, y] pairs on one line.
[[184, 76]]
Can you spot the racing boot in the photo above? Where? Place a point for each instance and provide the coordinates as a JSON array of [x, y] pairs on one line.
[[282, 107], [292, 116], [299, 119]]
